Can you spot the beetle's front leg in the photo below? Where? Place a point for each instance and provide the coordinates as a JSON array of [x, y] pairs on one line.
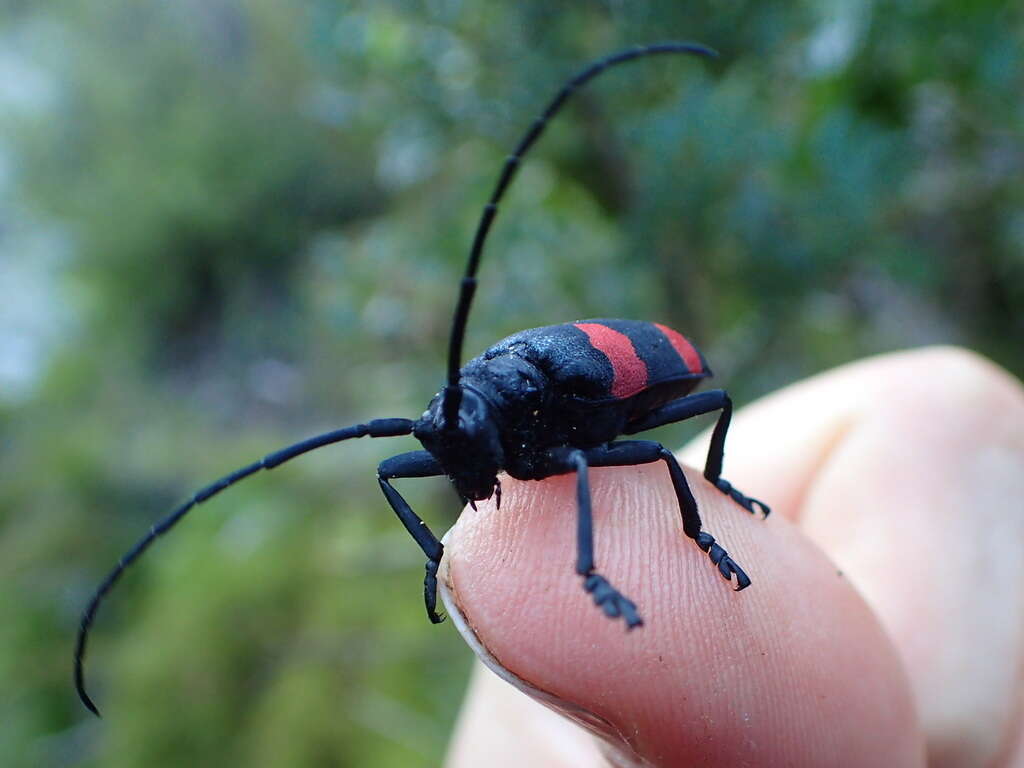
[[415, 464]]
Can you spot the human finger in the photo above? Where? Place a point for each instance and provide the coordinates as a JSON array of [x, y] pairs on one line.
[[795, 670], [908, 470]]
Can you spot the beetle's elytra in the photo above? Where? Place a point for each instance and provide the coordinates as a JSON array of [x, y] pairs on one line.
[[539, 403]]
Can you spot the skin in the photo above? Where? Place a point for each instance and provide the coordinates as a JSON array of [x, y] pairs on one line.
[[884, 626]]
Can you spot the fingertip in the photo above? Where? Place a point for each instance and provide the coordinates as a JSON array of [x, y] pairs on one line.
[[796, 670]]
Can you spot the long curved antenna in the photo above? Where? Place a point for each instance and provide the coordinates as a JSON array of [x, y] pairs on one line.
[[375, 428], [453, 394]]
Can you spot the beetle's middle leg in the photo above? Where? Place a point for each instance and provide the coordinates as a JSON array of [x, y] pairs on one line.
[[632, 452], [415, 464], [610, 600], [695, 405]]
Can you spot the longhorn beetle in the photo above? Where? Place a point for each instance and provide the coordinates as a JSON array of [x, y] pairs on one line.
[[542, 402]]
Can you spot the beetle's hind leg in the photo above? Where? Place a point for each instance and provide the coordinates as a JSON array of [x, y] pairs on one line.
[[632, 452], [415, 464], [695, 405]]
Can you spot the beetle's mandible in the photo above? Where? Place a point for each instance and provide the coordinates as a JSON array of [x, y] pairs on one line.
[[542, 402]]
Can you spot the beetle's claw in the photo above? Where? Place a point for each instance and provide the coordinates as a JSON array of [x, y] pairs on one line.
[[753, 506], [435, 617], [727, 567]]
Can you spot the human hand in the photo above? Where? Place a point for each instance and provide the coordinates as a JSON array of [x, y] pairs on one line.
[[884, 626]]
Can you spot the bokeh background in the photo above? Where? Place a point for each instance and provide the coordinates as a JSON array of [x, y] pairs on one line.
[[229, 224]]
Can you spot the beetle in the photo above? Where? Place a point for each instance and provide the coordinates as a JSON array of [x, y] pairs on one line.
[[542, 402]]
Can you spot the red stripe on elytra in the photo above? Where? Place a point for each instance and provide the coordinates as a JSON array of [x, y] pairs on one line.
[[629, 371], [684, 348]]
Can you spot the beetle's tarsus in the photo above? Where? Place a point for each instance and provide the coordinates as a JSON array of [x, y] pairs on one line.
[[727, 567], [430, 592], [611, 601], [753, 506]]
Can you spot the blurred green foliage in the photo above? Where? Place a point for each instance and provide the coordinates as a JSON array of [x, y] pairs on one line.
[[226, 225]]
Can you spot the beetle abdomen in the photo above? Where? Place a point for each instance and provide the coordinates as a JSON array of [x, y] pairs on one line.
[[603, 359]]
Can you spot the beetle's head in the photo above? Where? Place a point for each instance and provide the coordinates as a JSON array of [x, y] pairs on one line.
[[470, 450]]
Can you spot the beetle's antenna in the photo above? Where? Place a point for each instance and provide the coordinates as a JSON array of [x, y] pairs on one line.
[[375, 428], [453, 394]]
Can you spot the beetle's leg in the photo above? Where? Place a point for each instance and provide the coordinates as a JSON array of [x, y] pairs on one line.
[[632, 452], [609, 599], [415, 464], [695, 405]]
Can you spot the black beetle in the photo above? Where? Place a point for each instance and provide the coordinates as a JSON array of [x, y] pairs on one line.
[[543, 402]]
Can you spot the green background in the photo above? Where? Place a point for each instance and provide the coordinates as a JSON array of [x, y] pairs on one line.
[[227, 225]]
